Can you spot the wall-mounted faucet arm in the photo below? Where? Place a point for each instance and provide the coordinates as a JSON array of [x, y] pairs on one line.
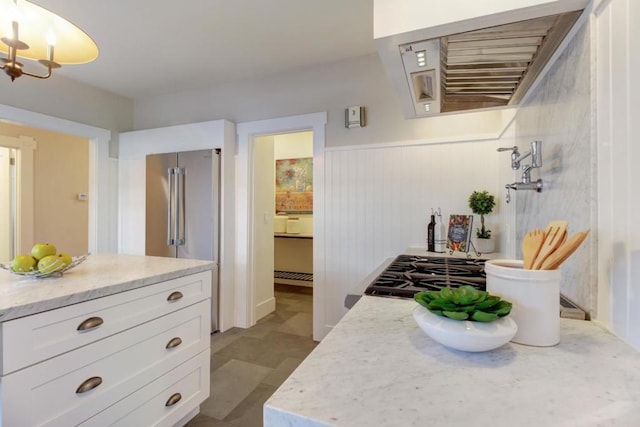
[[521, 158], [535, 185], [516, 158], [536, 162], [515, 163]]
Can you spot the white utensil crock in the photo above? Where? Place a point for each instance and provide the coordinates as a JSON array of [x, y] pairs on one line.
[[535, 295]]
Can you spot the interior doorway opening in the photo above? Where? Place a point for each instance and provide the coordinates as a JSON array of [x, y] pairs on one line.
[[44, 187], [8, 192], [248, 218], [283, 218]]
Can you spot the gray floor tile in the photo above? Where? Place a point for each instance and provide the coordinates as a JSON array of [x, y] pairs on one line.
[[270, 351], [230, 385], [300, 324], [302, 306], [249, 412], [218, 361], [202, 420], [248, 365], [282, 371], [220, 340], [279, 316]]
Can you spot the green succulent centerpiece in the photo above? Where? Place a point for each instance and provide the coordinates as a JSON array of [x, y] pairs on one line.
[[464, 303]]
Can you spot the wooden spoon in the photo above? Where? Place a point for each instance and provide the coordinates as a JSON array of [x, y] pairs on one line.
[[554, 260], [554, 236], [531, 245]]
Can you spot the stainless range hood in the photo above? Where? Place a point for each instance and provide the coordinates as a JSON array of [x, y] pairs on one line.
[[487, 67]]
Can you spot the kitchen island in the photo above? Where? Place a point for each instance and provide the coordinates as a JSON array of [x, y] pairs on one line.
[[117, 339], [376, 367], [99, 275]]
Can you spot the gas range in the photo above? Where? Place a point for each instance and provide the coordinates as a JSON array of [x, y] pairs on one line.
[[408, 274]]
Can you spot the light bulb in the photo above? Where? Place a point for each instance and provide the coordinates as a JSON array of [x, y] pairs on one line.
[[51, 38], [14, 12]]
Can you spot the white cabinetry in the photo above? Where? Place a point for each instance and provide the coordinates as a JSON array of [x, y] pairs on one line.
[[132, 357]]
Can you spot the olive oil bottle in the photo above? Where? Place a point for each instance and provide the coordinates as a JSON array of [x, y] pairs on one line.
[[431, 242]]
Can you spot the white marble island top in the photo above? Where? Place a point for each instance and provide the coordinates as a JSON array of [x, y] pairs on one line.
[[99, 275], [377, 368]]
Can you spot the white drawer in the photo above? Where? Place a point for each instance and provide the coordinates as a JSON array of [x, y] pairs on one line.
[[150, 405], [124, 363], [32, 339]]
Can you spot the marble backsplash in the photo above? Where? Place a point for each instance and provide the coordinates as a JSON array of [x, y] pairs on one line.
[[558, 113]]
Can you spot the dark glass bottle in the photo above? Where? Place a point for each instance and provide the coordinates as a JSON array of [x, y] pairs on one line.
[[431, 234]]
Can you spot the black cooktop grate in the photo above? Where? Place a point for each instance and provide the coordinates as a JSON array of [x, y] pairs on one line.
[[409, 274]]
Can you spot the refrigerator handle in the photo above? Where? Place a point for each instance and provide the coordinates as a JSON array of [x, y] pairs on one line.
[[170, 205], [180, 207]]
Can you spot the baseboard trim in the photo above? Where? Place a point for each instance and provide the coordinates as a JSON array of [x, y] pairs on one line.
[[266, 307]]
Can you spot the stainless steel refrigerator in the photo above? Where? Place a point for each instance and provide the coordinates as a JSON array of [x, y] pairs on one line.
[[183, 210]]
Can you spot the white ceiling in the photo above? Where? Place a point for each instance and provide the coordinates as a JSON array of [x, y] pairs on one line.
[[150, 47]]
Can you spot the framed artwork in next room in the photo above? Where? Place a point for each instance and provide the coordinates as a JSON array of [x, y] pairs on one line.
[[294, 186]]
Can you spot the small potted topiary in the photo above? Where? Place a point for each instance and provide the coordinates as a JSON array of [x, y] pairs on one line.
[[482, 203]]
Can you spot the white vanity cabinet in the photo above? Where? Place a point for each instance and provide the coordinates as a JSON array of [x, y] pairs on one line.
[[138, 357]]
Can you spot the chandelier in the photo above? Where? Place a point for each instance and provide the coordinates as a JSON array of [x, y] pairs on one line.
[[28, 31]]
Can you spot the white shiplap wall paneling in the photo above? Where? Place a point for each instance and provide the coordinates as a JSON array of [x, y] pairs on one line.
[[379, 201], [617, 62]]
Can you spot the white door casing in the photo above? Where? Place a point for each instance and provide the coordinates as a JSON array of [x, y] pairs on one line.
[[245, 284], [25, 147]]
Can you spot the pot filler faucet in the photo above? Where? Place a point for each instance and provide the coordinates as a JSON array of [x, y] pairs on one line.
[[536, 162]]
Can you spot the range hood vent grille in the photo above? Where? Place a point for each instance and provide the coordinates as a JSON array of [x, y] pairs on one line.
[[490, 67], [495, 66]]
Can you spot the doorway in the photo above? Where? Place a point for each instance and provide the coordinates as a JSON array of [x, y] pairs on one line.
[[47, 196], [250, 220], [283, 224], [8, 246], [102, 203]]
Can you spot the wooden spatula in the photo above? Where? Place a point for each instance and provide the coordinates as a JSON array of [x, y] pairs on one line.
[[565, 250], [531, 245], [554, 235]]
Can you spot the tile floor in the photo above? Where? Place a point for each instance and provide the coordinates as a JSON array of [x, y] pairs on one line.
[[248, 365]]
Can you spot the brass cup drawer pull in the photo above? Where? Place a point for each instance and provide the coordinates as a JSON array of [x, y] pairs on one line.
[[90, 323], [175, 296], [174, 342], [175, 398], [89, 384]]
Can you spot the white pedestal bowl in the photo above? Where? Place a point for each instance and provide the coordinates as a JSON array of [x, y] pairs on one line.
[[465, 335]]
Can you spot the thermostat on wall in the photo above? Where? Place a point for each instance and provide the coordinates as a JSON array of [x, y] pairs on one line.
[[354, 117], [82, 197]]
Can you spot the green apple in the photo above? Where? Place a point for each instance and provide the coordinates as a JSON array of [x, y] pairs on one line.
[[23, 263], [41, 250], [66, 258], [50, 264]]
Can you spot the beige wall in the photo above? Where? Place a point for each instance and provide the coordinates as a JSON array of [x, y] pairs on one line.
[[61, 165], [328, 87]]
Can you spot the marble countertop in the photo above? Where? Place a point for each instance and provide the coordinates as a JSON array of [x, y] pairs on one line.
[[376, 367], [99, 275]]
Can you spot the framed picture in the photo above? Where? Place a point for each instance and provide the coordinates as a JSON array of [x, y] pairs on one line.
[[459, 235], [294, 185]]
